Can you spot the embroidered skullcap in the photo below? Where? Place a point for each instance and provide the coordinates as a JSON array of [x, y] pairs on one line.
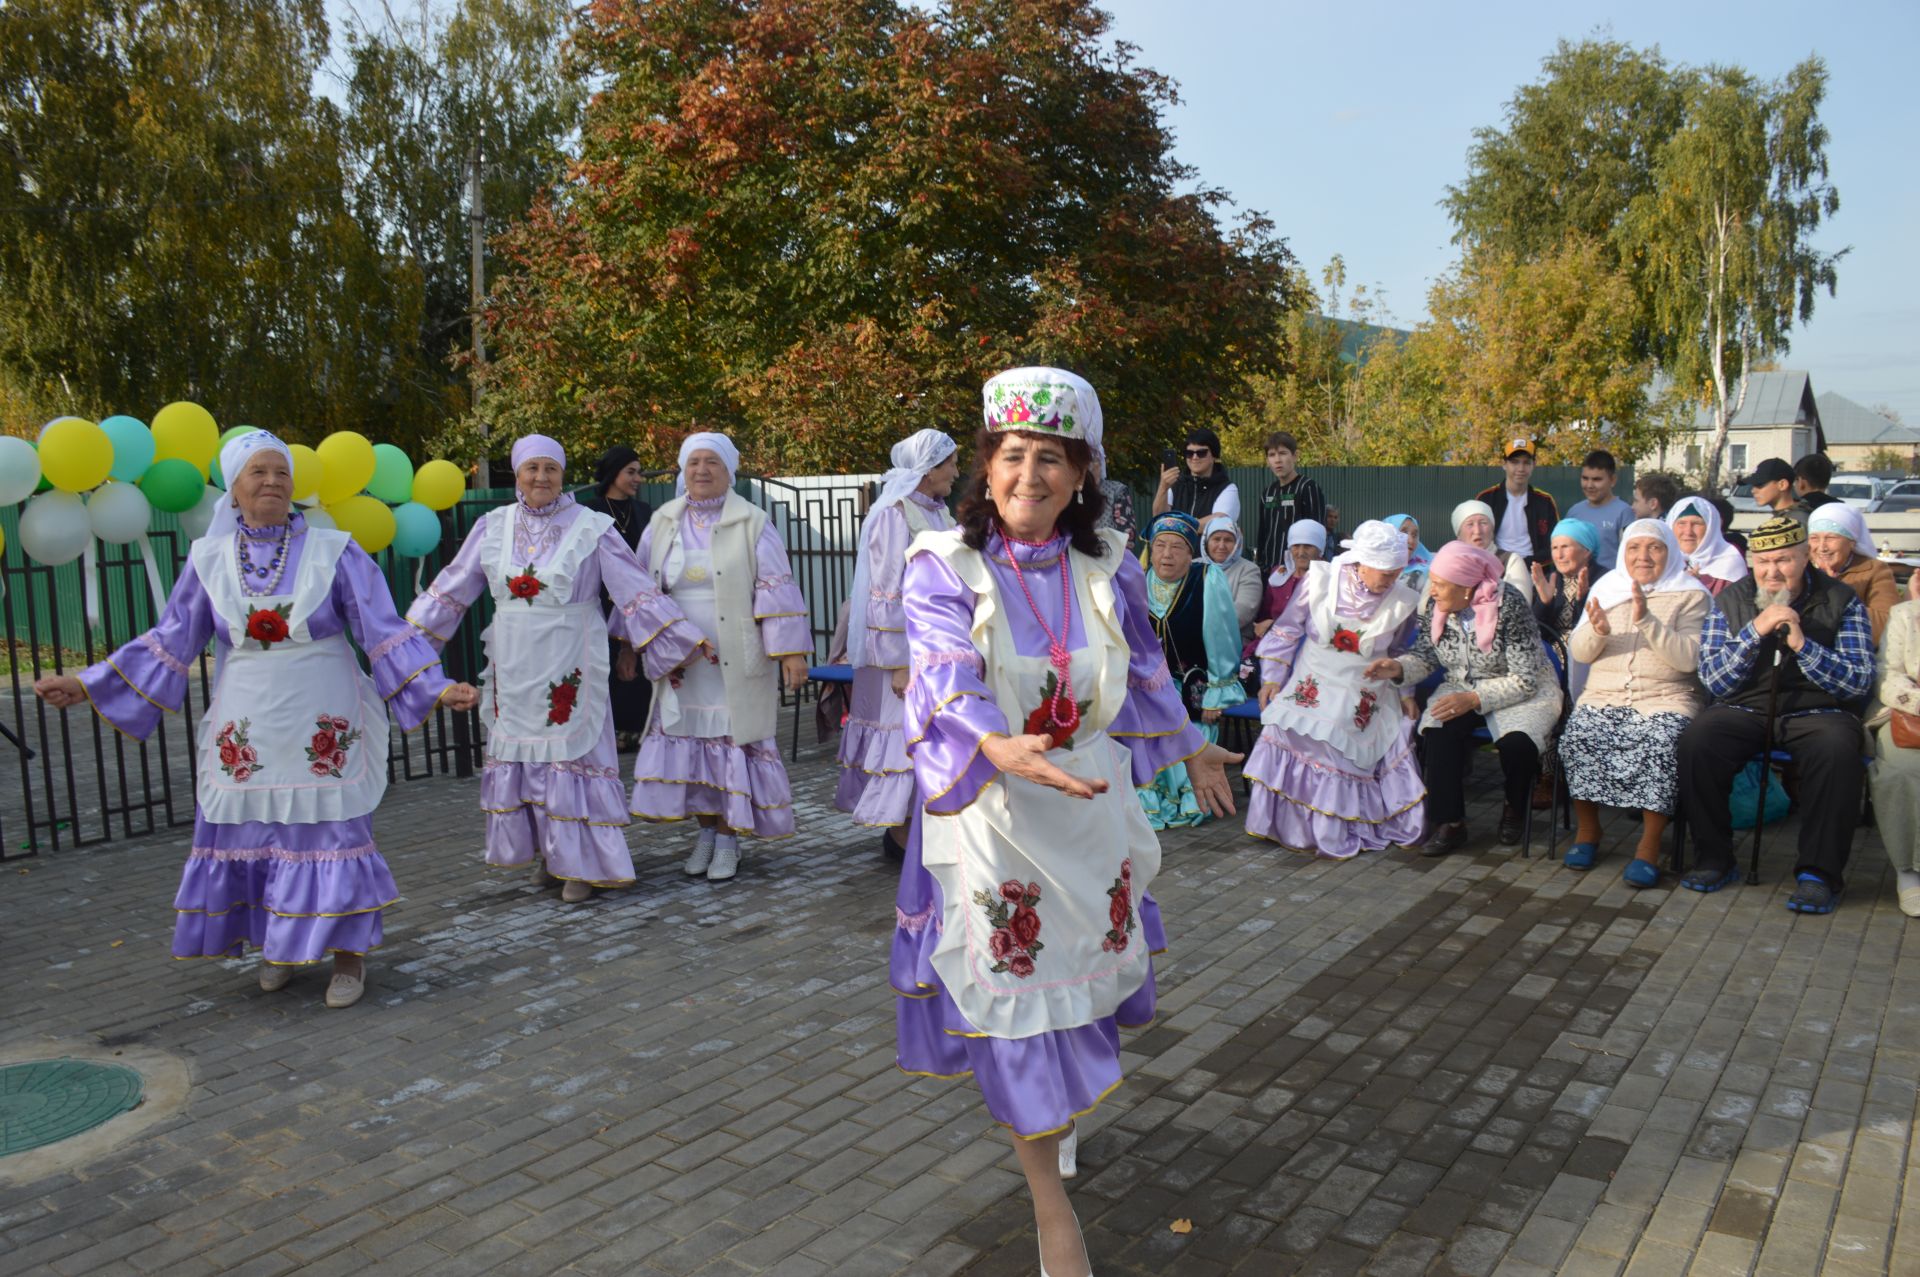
[[1048, 401], [527, 447], [1777, 533], [1176, 523], [1842, 519], [1376, 545]]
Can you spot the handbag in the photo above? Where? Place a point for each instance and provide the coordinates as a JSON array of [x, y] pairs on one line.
[[1906, 729]]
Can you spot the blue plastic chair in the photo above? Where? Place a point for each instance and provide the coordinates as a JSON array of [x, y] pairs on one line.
[[840, 674]]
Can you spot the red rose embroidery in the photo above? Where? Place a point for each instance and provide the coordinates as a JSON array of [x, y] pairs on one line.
[[1119, 906], [327, 751], [1056, 716], [242, 772], [229, 753], [526, 585], [1306, 692], [1015, 937], [1363, 713], [561, 698], [267, 625], [238, 759], [1120, 911]]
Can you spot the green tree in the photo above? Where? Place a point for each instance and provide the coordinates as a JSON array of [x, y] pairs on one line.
[[1725, 235], [823, 223]]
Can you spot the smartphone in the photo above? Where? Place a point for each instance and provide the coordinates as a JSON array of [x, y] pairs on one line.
[[1169, 458]]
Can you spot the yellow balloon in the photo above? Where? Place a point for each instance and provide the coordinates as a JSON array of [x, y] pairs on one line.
[[75, 455], [346, 459], [366, 519], [438, 484], [186, 431], [307, 471]]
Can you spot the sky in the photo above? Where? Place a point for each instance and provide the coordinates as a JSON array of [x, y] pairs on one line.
[[1345, 123]]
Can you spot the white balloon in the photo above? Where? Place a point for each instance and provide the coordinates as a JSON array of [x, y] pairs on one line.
[[54, 528], [318, 518], [19, 470], [197, 520], [118, 512]]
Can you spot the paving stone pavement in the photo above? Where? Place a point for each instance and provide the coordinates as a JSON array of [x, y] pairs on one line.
[[1476, 1065]]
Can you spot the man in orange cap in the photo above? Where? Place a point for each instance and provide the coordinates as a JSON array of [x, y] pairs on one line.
[[1523, 516]]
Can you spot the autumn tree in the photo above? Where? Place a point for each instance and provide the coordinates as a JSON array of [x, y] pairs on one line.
[[823, 223]]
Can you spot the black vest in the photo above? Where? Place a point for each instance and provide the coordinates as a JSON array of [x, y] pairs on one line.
[[1822, 606], [1195, 496]]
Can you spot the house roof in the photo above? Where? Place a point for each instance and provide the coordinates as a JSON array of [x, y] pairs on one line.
[[1772, 399], [1848, 422]]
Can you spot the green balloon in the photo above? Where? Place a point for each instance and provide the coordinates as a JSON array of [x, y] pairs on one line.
[[173, 485], [43, 485], [392, 478]]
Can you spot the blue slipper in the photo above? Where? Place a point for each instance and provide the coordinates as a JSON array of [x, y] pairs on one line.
[[1582, 855], [1811, 894], [1639, 873], [1710, 879]]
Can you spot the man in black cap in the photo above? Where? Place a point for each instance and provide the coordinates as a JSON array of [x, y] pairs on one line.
[[1817, 631], [1205, 488], [1772, 484]]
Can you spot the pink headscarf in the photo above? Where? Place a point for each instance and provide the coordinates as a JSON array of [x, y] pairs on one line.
[[1459, 563]]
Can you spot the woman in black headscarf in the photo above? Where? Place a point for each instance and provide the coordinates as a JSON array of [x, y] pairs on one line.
[[616, 486]]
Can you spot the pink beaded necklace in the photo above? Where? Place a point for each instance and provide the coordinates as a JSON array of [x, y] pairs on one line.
[[1057, 654]]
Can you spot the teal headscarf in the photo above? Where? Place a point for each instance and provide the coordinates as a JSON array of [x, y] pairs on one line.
[[1579, 530], [1420, 557], [1220, 625]]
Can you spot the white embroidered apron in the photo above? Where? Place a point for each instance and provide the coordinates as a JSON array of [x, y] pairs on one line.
[[543, 693], [295, 732], [698, 707], [1041, 891], [1328, 696]]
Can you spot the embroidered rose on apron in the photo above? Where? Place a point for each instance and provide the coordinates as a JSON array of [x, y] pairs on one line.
[[238, 759], [1120, 910], [561, 697], [327, 750], [268, 625], [1015, 938]]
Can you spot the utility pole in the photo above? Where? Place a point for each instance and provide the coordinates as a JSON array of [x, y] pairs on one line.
[[476, 270]]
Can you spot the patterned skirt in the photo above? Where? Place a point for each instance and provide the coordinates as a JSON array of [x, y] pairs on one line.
[[1619, 757]]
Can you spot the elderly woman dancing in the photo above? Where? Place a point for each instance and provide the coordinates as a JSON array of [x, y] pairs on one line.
[[876, 777], [1039, 698], [551, 786], [293, 746], [1641, 639], [1481, 632], [1334, 770], [709, 752]]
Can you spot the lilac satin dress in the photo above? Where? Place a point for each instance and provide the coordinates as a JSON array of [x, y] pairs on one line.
[[1305, 794], [876, 777], [744, 784], [1037, 1085], [571, 813], [297, 892]]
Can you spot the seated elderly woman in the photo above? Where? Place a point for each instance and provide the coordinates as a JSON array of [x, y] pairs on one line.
[[1334, 770], [1199, 633], [1559, 601], [1843, 549], [1695, 521], [1480, 631], [1896, 755], [1306, 543], [1640, 639], [1223, 543], [1419, 558], [1473, 523]]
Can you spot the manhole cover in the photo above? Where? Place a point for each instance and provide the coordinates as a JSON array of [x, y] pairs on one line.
[[49, 1100]]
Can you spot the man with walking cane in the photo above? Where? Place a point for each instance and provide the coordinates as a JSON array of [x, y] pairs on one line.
[[1808, 704]]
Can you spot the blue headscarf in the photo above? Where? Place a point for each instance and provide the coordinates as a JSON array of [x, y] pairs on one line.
[[1220, 628], [1420, 556], [1578, 530]]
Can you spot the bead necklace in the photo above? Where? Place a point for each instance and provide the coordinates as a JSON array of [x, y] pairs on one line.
[[1057, 654], [712, 507], [269, 575], [531, 544]]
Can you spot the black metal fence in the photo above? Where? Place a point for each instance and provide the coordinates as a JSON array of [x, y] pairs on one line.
[[82, 782]]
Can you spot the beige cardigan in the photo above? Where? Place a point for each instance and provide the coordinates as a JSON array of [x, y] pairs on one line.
[[1652, 667], [1899, 682]]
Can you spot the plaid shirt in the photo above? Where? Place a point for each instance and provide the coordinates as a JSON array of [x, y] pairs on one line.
[[1844, 671]]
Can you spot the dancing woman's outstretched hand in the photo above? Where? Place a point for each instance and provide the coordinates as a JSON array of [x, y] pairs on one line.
[[1026, 757], [1208, 772]]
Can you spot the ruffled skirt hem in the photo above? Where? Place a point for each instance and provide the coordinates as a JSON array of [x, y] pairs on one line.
[[1307, 797], [746, 787]]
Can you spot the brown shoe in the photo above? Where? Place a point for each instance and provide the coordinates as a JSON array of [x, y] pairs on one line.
[[576, 892], [1509, 827], [1543, 793], [1445, 839]]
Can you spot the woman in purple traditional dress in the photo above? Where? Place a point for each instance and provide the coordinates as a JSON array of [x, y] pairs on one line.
[[1334, 771], [1040, 697], [551, 787], [709, 751], [876, 779], [293, 747]]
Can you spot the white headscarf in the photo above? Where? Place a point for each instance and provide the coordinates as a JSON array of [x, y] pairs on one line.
[[1304, 532], [1465, 509], [1615, 587], [1376, 545], [233, 459], [1220, 523], [1839, 517], [1714, 557], [913, 458], [718, 444]]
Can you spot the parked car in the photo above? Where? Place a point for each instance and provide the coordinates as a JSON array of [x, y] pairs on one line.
[[1904, 501], [1861, 491], [1904, 488], [1740, 497]]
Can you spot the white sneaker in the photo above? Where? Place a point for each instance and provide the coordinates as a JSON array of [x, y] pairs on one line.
[[726, 858], [1070, 1152], [702, 853]]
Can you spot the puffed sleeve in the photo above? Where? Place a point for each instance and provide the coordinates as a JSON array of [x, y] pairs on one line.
[[148, 675], [949, 710], [1281, 643], [1152, 721], [406, 667], [439, 608], [646, 618], [777, 604], [887, 536]]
